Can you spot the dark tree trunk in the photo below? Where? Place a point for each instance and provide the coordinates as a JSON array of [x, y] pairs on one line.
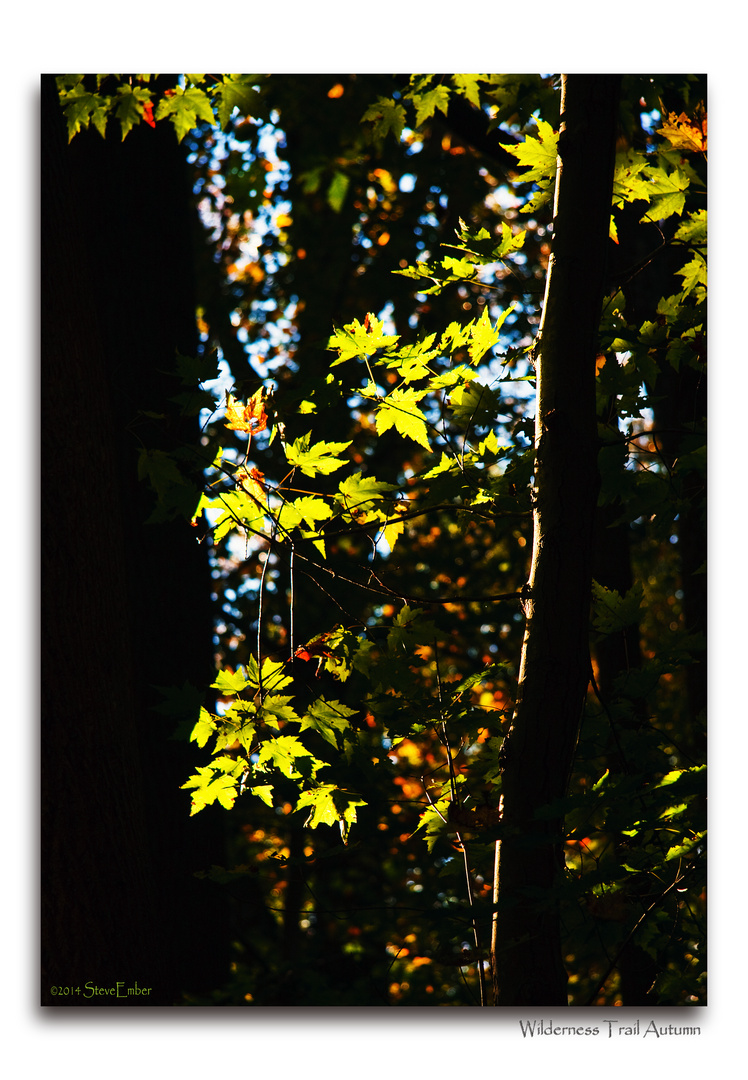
[[125, 605], [526, 943]]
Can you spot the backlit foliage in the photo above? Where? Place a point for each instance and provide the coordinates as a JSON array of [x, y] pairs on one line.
[[370, 288]]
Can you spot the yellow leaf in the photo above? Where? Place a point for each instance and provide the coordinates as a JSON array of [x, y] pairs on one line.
[[252, 481], [391, 531]]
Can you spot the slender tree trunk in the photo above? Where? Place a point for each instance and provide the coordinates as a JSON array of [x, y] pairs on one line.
[[526, 941]]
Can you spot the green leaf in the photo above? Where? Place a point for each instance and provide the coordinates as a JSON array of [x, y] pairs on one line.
[[320, 458], [630, 179], [411, 361], [359, 494], [312, 510], [209, 788], [161, 471], [427, 104], [184, 108], [355, 339], [263, 791], [483, 336], [231, 682], [288, 754], [273, 674], [81, 109], [338, 190], [327, 718], [204, 729], [667, 193], [433, 821], [446, 464], [234, 93], [692, 230], [474, 403], [408, 626], [399, 410], [678, 851], [193, 370], [238, 510], [538, 155], [276, 708], [387, 116], [613, 612], [467, 85], [330, 805], [321, 804], [129, 110], [488, 674], [693, 274]]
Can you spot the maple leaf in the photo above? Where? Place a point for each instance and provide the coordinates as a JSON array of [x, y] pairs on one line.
[[364, 340], [208, 788], [467, 85], [539, 155], [613, 611], [391, 531], [287, 753], [232, 682], [184, 107], [483, 336], [693, 274], [666, 192], [427, 104], [148, 114], [693, 229], [275, 708], [359, 493], [322, 457], [250, 417], [203, 729], [235, 93], [327, 718], [82, 108], [253, 482], [399, 410], [387, 115], [312, 510], [330, 805], [684, 133]]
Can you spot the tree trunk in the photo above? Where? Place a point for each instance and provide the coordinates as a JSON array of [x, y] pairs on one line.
[[125, 605], [526, 941]]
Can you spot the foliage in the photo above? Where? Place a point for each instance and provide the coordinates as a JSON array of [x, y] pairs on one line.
[[368, 500]]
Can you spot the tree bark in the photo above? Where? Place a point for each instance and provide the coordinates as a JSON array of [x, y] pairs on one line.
[[125, 605], [526, 950]]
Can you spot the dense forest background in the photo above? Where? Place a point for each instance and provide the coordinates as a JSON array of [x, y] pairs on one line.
[[175, 271]]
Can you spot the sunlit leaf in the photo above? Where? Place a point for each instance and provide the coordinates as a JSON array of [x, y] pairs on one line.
[[184, 107], [328, 719], [322, 457], [400, 410]]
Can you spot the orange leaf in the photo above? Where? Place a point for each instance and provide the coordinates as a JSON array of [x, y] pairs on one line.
[[148, 114], [685, 133], [250, 417]]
